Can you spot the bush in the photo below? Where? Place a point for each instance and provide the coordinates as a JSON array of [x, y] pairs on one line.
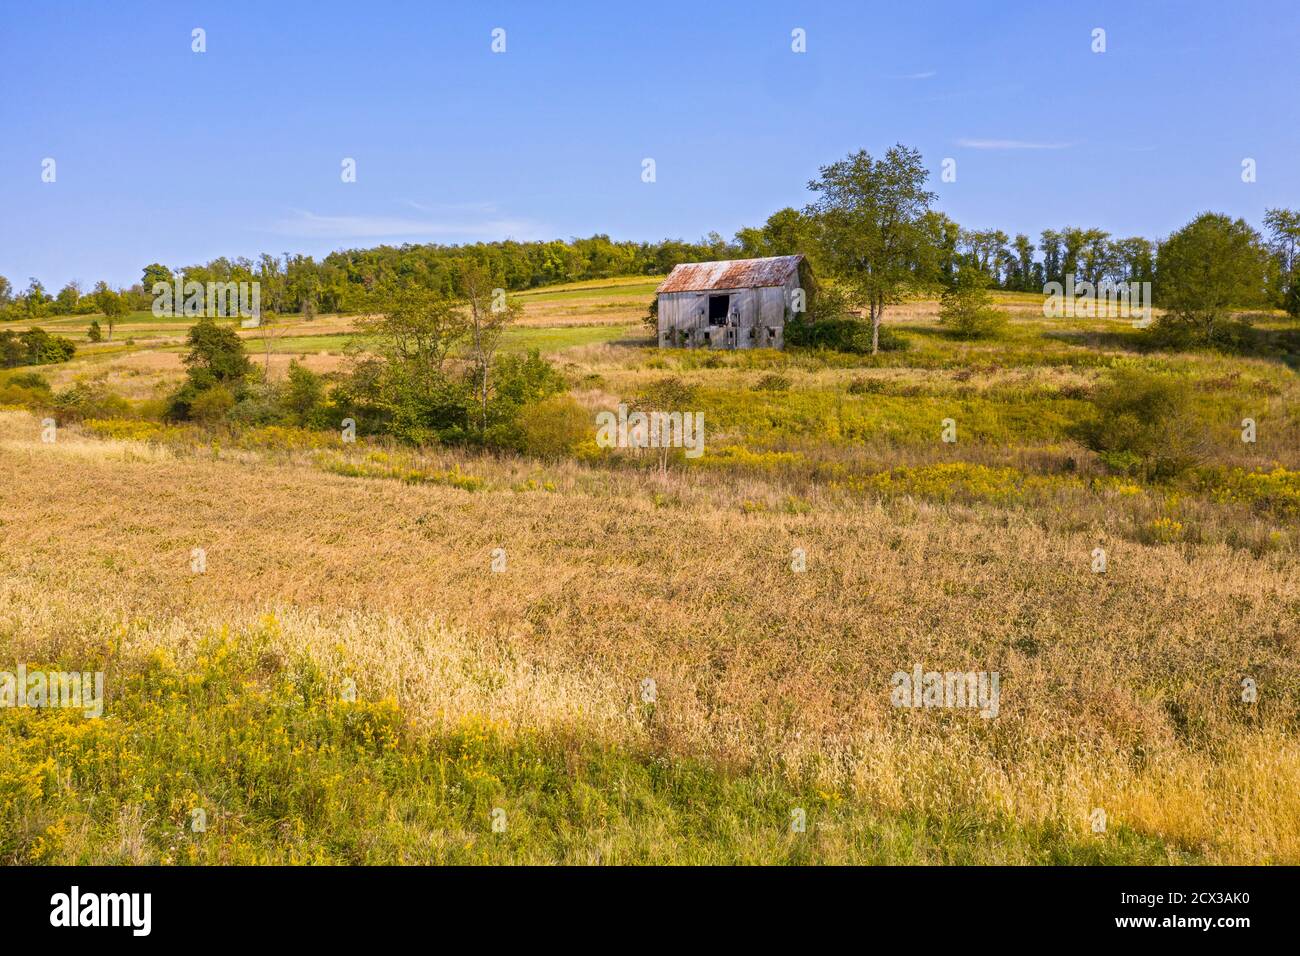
[[553, 427], [1234, 335], [843, 335], [304, 394], [212, 405], [868, 386], [26, 389], [1142, 425], [29, 380], [259, 404], [966, 308], [33, 347], [89, 400], [772, 382]]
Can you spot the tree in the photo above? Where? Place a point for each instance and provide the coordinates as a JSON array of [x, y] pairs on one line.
[[1135, 259], [110, 303], [1023, 276], [1209, 266], [216, 352], [667, 396], [67, 299], [783, 234], [1284, 240], [1050, 243], [153, 273], [93, 334], [871, 229], [416, 331], [985, 249], [945, 233], [489, 314], [34, 299]]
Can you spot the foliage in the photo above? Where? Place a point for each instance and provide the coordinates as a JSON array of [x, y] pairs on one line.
[[33, 347], [216, 360], [1203, 270], [772, 382], [850, 335], [869, 227], [553, 427], [25, 389], [966, 308], [89, 399], [215, 351], [1142, 424], [304, 396]]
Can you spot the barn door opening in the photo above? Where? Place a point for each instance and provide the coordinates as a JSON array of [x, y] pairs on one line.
[[719, 306]]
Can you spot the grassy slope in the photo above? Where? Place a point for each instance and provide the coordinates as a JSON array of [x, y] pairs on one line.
[[520, 691]]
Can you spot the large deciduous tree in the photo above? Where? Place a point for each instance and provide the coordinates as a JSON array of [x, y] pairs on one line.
[[870, 228], [1211, 265]]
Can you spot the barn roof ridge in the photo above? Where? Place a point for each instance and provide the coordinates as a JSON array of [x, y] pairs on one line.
[[730, 274]]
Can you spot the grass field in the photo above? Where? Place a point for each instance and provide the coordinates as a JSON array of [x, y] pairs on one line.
[[351, 681]]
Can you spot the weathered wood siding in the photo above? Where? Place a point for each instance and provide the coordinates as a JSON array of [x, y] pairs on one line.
[[756, 318]]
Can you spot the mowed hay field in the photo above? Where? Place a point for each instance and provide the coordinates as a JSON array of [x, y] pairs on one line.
[[520, 696]]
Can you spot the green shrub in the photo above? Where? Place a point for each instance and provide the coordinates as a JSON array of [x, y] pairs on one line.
[[843, 335], [89, 400], [33, 381], [867, 386], [33, 347], [212, 405], [1234, 335], [772, 382], [553, 427], [966, 309], [304, 394], [1142, 424]]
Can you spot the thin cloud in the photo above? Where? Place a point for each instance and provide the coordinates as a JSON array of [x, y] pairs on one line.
[[1009, 144], [309, 225], [916, 76]]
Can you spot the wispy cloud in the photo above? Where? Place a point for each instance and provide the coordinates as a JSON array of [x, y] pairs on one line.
[[915, 76], [308, 225], [1009, 144]]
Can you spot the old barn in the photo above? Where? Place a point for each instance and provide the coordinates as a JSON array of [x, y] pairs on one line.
[[735, 304]]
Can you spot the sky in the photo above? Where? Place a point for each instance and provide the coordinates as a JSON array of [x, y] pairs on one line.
[[164, 154]]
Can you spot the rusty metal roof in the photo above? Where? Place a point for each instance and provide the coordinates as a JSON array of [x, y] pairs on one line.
[[729, 274]]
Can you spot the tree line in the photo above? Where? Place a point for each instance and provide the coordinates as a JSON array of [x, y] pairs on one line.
[[872, 226]]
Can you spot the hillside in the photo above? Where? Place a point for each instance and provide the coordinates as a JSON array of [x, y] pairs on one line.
[[333, 567]]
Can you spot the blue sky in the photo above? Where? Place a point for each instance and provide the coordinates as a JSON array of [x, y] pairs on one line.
[[167, 155]]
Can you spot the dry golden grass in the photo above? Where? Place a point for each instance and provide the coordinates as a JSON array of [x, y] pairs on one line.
[[1119, 691]]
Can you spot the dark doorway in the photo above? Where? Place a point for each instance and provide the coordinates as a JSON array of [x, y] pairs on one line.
[[718, 308]]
